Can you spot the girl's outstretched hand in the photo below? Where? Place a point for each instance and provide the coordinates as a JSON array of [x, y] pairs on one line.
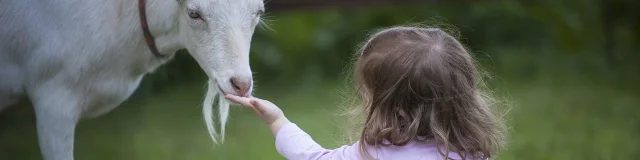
[[267, 111]]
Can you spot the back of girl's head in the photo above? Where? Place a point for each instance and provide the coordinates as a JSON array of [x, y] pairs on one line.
[[421, 82]]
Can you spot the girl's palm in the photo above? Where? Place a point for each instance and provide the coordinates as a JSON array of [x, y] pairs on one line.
[[267, 111]]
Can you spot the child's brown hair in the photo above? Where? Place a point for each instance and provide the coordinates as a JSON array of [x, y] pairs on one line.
[[421, 82]]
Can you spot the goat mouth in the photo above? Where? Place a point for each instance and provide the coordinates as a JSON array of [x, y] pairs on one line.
[[221, 91]]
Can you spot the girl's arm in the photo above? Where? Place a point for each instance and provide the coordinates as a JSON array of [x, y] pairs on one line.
[[295, 144], [291, 141]]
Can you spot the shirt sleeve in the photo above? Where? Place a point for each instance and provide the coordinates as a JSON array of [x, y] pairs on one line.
[[295, 144]]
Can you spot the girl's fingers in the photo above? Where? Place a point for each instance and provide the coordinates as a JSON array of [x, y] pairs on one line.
[[245, 102], [259, 105], [240, 100], [255, 111]]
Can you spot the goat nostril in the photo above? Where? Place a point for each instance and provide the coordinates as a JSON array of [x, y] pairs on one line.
[[240, 85], [234, 84]]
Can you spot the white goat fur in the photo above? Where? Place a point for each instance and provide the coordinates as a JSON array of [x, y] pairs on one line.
[[207, 111], [77, 59]]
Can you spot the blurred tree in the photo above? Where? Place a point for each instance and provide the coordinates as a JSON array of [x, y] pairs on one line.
[[615, 13], [305, 40]]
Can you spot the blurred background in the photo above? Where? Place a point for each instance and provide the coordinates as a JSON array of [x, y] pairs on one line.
[[568, 70]]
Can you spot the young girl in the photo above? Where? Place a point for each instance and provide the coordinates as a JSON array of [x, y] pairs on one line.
[[421, 94]]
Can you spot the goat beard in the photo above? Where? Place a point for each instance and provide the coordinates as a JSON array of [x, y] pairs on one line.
[[207, 111]]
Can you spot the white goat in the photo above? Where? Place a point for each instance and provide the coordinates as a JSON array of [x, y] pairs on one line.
[[76, 59]]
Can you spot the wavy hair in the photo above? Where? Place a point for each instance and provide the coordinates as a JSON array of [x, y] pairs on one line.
[[421, 82]]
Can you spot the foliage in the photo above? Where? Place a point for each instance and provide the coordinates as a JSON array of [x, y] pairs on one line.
[[298, 43]]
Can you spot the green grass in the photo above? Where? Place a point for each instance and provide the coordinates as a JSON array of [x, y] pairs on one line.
[[566, 119], [573, 122], [169, 126]]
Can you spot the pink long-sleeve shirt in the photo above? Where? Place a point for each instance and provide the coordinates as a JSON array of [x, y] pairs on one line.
[[295, 144]]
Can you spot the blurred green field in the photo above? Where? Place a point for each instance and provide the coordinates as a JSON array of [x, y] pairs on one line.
[[551, 117]]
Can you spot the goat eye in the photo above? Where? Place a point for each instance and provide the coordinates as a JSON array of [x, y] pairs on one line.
[[194, 15]]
